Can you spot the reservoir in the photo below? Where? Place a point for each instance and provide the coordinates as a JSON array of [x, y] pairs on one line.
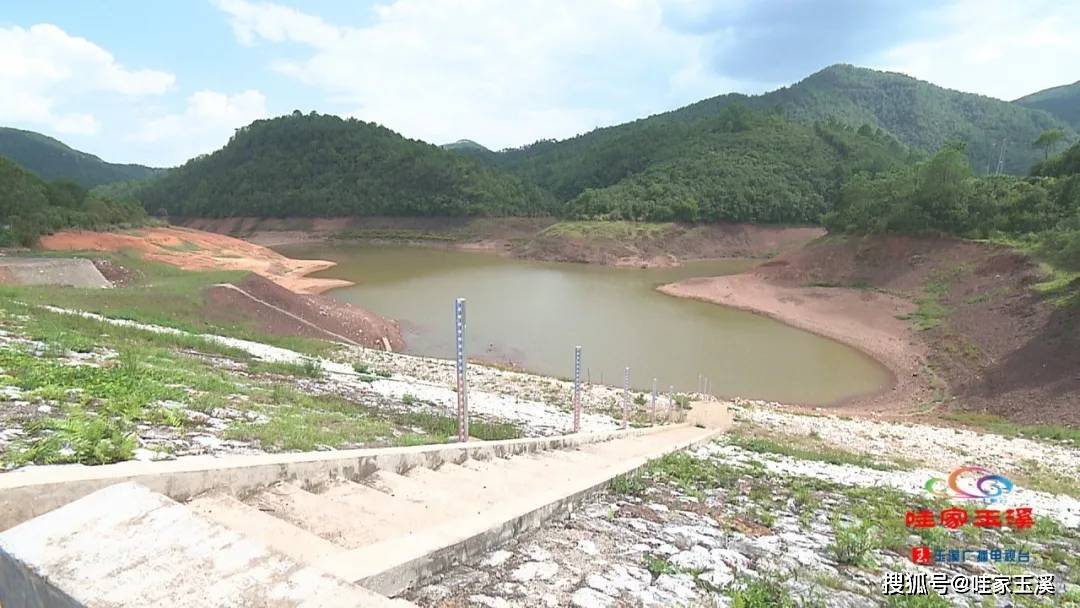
[[532, 314]]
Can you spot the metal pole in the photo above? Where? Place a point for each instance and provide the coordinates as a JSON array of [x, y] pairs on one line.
[[577, 389], [462, 386], [671, 402], [626, 399], [653, 414], [706, 386]]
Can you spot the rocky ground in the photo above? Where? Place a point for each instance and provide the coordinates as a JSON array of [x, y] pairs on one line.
[[251, 400], [742, 523]]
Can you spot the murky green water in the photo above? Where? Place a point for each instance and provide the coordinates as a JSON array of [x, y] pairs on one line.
[[533, 313]]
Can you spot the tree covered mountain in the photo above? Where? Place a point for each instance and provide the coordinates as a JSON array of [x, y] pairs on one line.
[[30, 206], [920, 115], [52, 159], [470, 148], [742, 166], [1063, 102], [322, 165]]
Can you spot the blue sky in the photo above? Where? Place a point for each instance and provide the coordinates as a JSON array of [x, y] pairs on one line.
[[159, 82]]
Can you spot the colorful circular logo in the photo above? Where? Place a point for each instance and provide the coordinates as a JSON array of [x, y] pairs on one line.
[[971, 483]]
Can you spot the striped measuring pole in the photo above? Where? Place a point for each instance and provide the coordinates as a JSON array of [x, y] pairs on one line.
[[653, 416], [462, 385], [577, 389], [626, 399]]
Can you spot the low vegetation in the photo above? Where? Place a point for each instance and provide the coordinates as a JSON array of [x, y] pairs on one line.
[[98, 384], [804, 447]]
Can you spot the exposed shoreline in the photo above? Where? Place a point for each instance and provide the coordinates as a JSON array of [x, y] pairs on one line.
[[620, 244], [197, 250], [865, 320]]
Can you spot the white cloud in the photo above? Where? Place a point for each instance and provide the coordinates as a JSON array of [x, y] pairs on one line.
[[275, 23], [995, 47], [503, 73], [44, 72], [205, 124]]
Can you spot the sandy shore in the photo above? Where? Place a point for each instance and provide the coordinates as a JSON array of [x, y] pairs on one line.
[[197, 250], [864, 319]]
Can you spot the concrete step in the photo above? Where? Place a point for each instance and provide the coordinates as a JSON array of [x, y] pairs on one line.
[[125, 547], [361, 530], [259, 525], [345, 525]]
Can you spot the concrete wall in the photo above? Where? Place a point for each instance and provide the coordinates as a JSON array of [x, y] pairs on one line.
[[28, 493], [70, 272]]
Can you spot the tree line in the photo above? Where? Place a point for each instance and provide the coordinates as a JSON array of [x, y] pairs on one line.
[[943, 195], [31, 206]]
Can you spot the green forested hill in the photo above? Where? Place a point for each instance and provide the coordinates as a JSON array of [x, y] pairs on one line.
[[30, 206], [52, 159], [740, 166], [321, 165], [919, 114], [1063, 102], [700, 151]]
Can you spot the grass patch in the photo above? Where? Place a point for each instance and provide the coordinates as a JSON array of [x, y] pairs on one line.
[[160, 295], [1037, 476], [694, 475], [658, 564], [855, 543], [446, 426], [803, 447], [761, 592], [615, 230], [632, 484], [309, 368], [1059, 286], [82, 436], [1001, 426]]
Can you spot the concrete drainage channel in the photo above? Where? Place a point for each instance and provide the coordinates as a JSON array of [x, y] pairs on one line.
[[349, 528]]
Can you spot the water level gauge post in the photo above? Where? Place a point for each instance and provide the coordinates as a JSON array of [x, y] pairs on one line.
[[462, 385], [653, 407], [626, 399], [577, 389]]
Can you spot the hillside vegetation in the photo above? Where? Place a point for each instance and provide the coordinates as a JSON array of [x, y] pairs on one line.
[[52, 159], [321, 165], [740, 166], [30, 206], [943, 195], [1063, 102], [919, 114]]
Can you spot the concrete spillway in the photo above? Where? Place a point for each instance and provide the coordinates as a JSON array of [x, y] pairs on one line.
[[330, 529]]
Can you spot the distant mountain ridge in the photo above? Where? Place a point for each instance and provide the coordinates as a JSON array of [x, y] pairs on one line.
[[53, 159], [469, 147], [919, 114], [1063, 102]]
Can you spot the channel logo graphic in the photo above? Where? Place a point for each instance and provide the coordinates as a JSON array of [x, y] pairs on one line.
[[971, 483]]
